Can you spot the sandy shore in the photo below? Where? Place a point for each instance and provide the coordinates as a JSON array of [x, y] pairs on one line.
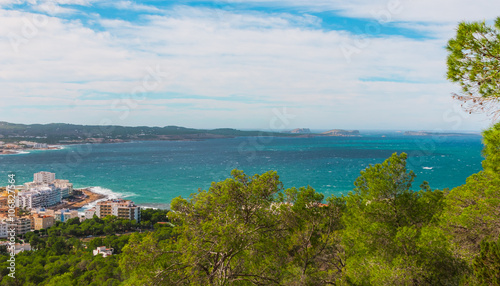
[[86, 198]]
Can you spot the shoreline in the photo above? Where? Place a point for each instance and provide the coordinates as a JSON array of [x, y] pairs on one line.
[[87, 197], [29, 150]]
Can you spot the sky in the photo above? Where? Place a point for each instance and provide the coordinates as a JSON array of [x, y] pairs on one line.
[[252, 64]]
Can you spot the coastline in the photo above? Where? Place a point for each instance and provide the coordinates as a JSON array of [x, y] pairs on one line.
[[28, 150], [87, 197]]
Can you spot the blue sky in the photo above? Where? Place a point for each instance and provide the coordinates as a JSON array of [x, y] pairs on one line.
[[240, 64]]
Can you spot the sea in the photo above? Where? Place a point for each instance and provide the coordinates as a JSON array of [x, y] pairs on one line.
[[152, 173]]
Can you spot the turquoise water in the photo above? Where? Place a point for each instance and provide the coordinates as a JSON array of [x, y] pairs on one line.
[[153, 172]]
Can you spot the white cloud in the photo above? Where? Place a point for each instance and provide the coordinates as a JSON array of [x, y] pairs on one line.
[[129, 5], [277, 60], [45, 2], [399, 10]]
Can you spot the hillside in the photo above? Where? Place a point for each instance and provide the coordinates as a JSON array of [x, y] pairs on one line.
[[70, 133]]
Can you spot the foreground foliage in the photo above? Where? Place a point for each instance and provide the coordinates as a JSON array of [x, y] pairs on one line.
[[474, 63]]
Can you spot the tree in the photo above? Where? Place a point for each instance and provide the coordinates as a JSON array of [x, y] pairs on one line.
[[472, 210], [487, 264], [229, 235], [242, 231], [474, 63], [491, 151], [149, 261], [313, 239], [390, 236]]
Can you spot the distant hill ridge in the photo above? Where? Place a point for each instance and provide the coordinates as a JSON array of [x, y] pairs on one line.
[[55, 133], [72, 133]]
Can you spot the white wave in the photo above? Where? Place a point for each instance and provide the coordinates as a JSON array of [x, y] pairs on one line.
[[58, 147], [16, 153], [109, 195], [427, 168]]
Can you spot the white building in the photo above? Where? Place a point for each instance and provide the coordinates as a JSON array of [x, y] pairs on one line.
[[39, 197], [4, 229], [40, 146], [18, 247], [103, 250], [89, 214], [32, 185], [22, 247], [64, 186], [44, 177], [27, 143]]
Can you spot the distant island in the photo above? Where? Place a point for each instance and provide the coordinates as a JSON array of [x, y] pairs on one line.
[[425, 133], [299, 131], [341, 132]]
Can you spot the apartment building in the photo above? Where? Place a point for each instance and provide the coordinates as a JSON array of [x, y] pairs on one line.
[[40, 222], [44, 177], [22, 225], [125, 209], [4, 229], [64, 186], [38, 197], [48, 180]]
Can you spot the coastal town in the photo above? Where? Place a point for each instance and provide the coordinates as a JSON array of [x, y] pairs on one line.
[[40, 204], [23, 146]]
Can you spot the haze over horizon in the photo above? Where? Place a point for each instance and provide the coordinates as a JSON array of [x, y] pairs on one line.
[[255, 64]]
